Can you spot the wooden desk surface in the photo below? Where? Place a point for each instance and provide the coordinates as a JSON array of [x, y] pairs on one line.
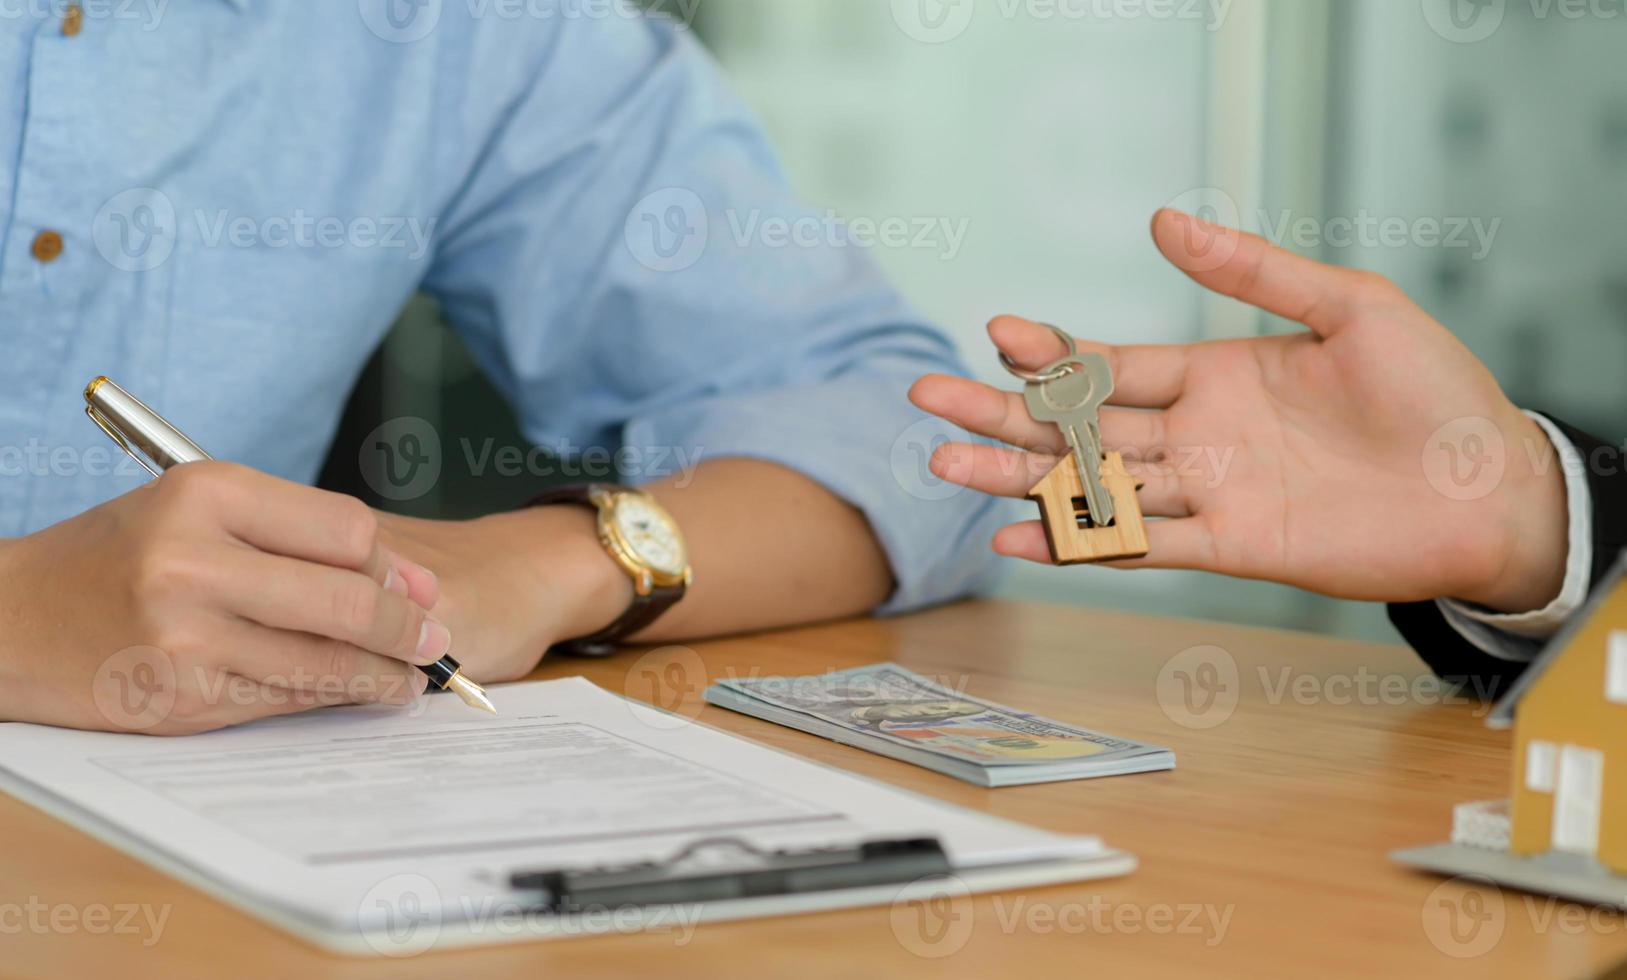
[[1263, 854]]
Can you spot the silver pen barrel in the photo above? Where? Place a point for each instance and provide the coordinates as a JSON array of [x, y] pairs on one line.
[[142, 432]]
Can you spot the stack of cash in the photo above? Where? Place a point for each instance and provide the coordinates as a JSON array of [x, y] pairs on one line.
[[888, 710]]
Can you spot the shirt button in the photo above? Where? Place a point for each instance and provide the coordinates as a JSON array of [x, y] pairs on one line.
[[73, 21], [47, 246]]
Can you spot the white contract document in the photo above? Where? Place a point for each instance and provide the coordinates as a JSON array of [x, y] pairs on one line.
[[390, 831]]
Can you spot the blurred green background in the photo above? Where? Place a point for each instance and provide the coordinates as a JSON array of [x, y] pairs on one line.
[[1054, 128]]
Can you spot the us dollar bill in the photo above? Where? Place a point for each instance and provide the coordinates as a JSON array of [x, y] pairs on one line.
[[887, 705]]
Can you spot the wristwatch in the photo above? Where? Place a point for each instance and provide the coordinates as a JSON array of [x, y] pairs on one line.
[[644, 540]]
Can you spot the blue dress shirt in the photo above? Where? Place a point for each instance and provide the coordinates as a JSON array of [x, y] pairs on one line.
[[245, 193]]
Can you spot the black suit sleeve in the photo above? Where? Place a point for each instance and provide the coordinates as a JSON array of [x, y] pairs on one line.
[[1455, 658]]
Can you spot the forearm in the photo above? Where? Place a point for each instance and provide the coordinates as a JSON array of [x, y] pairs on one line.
[[769, 547]]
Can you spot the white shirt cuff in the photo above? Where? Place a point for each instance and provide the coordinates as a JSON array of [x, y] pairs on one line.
[[1519, 636]]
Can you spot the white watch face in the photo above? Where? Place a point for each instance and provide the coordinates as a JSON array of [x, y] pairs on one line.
[[650, 533]]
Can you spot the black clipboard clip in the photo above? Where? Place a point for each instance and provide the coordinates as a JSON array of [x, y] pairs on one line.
[[722, 868]]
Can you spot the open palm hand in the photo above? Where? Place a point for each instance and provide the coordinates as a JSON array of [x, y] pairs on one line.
[[1373, 457]]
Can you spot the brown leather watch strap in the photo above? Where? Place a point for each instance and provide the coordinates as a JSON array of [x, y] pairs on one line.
[[644, 610]]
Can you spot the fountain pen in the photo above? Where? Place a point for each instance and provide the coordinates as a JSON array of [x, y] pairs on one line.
[[157, 445]]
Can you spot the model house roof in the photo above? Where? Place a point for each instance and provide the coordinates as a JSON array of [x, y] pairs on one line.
[[1503, 715]]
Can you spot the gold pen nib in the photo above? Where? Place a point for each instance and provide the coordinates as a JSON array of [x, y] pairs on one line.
[[472, 694]]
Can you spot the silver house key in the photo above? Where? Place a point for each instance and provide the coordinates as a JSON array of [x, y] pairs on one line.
[[1072, 400], [1070, 394]]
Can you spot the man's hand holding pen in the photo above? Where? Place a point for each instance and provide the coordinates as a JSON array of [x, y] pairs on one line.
[[266, 598]]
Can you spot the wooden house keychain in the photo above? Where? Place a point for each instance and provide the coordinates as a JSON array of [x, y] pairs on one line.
[[1088, 502]]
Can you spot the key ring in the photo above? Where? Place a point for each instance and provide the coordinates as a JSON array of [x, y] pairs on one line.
[[1045, 377]]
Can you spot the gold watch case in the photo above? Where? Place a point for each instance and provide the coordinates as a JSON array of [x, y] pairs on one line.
[[647, 575]]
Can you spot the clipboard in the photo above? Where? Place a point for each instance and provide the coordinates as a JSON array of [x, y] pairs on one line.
[[696, 881]]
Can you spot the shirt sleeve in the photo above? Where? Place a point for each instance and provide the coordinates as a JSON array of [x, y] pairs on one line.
[[1521, 637], [625, 259]]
